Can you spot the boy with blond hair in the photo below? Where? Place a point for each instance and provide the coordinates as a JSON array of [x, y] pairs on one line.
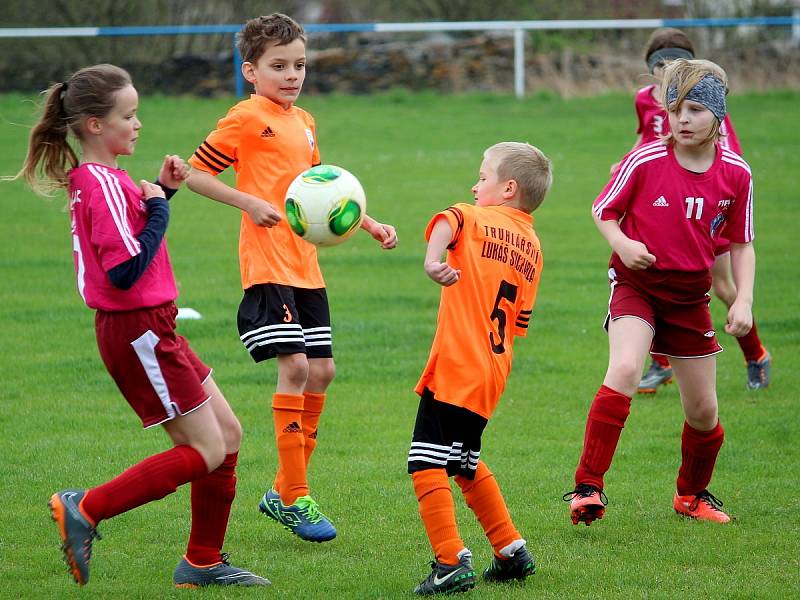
[[284, 312], [490, 277]]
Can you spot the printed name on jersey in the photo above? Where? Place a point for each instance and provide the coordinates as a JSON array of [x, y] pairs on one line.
[[661, 201], [310, 136], [505, 250]]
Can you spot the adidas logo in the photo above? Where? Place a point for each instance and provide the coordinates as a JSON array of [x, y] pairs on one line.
[[661, 202], [267, 133], [292, 427]]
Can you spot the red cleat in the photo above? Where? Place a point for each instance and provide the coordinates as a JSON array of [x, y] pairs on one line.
[[702, 506], [586, 503]]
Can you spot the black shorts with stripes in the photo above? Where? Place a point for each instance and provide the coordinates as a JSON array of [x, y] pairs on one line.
[[280, 319], [445, 437]]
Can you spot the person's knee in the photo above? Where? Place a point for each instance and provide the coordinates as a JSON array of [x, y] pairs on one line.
[[232, 434], [295, 369], [320, 373]]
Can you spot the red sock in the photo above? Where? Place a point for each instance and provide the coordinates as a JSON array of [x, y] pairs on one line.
[[151, 479], [212, 497], [662, 360], [484, 498], [699, 450], [312, 409], [603, 428], [751, 345], [438, 513], [287, 413]]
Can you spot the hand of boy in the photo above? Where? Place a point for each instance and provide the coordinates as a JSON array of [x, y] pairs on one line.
[[174, 171], [263, 213], [151, 190], [381, 232], [442, 273]]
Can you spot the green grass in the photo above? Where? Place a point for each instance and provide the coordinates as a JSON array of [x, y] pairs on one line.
[[63, 423]]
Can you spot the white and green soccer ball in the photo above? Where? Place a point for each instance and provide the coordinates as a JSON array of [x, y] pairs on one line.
[[325, 205]]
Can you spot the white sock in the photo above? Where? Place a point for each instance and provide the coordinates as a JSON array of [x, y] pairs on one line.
[[510, 550]]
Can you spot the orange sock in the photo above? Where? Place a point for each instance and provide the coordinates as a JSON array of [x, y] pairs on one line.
[[290, 482], [312, 409], [485, 500], [438, 513]]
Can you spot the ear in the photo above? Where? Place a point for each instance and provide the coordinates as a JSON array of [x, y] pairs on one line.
[[510, 189], [94, 126], [249, 71]]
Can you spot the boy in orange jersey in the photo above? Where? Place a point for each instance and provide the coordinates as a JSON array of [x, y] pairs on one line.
[[490, 278], [284, 312]]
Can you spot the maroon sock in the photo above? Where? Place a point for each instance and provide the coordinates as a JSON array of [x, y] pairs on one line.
[[751, 345], [212, 497], [151, 479], [603, 428], [699, 450], [662, 360]]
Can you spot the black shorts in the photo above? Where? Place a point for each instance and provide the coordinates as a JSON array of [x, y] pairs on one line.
[[445, 437], [278, 319]]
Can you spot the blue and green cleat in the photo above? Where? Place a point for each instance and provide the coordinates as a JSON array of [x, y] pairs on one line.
[[302, 518]]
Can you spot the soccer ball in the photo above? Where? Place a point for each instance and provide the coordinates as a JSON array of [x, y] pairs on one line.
[[325, 205]]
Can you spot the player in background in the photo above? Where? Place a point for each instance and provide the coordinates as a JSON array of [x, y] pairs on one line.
[[124, 273], [662, 213], [490, 277], [284, 312], [664, 45]]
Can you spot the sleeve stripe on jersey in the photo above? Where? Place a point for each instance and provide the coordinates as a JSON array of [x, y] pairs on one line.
[[645, 154], [214, 169], [115, 200], [225, 158], [521, 325], [203, 154], [457, 233], [729, 156]]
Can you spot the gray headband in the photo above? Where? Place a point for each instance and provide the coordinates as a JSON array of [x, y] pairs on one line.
[[709, 91], [657, 58]]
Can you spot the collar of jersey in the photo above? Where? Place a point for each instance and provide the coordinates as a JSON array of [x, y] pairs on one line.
[[270, 105]]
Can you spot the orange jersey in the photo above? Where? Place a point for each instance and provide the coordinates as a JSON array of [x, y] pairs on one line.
[[268, 147], [500, 259]]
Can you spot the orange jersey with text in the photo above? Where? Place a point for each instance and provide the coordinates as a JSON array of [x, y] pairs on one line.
[[500, 259], [268, 147]]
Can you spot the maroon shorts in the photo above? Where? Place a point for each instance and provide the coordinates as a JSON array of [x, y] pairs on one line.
[[154, 367], [673, 303], [723, 245]]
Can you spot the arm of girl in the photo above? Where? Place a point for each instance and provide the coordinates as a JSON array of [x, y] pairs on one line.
[[740, 314], [632, 253], [124, 275]]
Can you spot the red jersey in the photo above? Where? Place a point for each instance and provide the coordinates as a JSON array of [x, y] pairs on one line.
[[653, 122], [676, 213], [108, 212], [500, 259]]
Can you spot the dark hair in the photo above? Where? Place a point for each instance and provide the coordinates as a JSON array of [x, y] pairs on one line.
[[667, 37], [259, 33], [88, 93]]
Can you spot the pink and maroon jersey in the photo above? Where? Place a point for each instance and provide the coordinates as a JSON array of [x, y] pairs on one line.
[[653, 122], [676, 213], [108, 212]]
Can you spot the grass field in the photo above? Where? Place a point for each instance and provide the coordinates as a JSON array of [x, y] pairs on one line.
[[64, 424]]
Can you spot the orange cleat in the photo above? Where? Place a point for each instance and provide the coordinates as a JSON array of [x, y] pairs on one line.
[[586, 503], [702, 506]]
